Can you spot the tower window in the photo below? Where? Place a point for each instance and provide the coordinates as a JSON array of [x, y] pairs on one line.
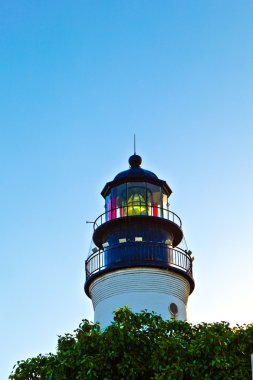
[[173, 310]]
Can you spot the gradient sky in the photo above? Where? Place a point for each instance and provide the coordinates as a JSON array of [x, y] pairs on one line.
[[77, 80]]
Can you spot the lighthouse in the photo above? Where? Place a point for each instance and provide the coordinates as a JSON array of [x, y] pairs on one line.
[[136, 256]]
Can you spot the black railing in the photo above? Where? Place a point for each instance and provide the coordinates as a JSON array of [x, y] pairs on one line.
[[138, 254], [136, 209]]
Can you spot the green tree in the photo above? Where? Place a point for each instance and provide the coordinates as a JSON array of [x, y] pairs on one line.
[[143, 346]]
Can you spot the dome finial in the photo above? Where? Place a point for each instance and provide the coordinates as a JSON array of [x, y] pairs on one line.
[[134, 145], [135, 161]]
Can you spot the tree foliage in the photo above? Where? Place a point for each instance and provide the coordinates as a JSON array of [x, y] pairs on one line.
[[143, 346]]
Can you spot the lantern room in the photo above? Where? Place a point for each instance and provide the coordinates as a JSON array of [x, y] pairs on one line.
[[136, 192]]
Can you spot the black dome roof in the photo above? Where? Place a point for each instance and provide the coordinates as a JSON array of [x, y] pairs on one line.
[[136, 174], [135, 171]]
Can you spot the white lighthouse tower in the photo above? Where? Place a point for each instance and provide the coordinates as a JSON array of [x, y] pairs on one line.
[[135, 259]]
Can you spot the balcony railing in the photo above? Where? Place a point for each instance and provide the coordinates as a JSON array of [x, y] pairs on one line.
[[132, 254], [137, 209]]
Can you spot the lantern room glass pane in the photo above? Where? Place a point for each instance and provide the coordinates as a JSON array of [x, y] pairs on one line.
[[136, 199], [154, 200], [165, 206], [118, 200], [108, 208]]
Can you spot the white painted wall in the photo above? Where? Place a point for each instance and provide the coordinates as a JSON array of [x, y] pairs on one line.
[[139, 289]]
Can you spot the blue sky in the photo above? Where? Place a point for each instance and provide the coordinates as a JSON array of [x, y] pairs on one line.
[[78, 79]]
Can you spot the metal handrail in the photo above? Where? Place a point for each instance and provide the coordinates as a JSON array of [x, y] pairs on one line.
[[145, 210], [138, 254]]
